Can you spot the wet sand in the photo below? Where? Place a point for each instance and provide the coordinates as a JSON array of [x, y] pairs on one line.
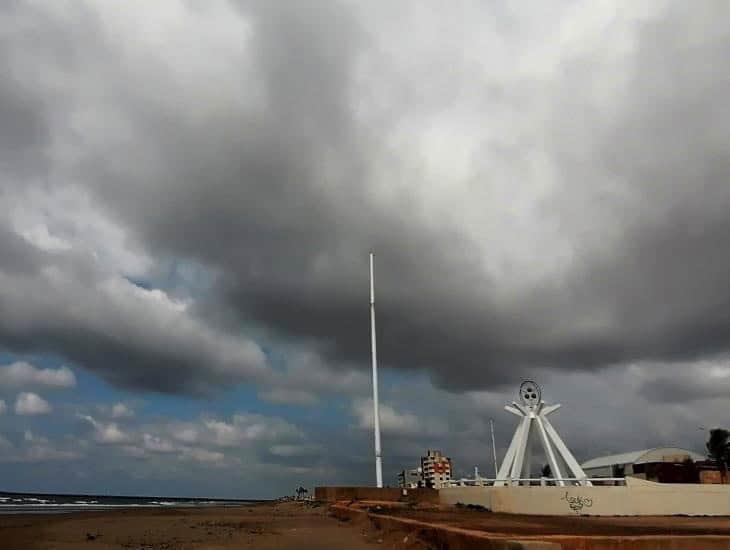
[[265, 526]]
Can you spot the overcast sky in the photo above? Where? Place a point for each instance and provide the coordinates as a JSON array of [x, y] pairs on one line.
[[189, 192]]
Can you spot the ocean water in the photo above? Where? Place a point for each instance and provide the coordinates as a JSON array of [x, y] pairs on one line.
[[28, 503]]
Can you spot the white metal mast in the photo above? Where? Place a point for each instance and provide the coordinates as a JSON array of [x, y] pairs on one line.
[[376, 408], [494, 446]]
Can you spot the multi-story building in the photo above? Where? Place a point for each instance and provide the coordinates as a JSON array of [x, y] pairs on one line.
[[436, 469], [410, 479]]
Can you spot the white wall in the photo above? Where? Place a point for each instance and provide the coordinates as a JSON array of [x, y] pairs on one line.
[[637, 498], [466, 495]]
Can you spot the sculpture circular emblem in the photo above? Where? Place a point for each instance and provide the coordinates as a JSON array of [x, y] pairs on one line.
[[530, 393]]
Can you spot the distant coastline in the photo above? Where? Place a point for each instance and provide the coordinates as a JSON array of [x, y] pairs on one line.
[[44, 503]]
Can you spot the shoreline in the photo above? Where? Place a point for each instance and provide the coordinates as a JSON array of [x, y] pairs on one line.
[[16, 503]]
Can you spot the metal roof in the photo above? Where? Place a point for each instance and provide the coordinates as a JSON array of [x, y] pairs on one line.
[[657, 454]]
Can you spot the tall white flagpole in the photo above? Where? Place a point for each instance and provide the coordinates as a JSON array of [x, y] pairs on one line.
[[376, 408], [494, 447]]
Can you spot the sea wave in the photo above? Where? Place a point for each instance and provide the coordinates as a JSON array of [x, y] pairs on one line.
[[15, 503]]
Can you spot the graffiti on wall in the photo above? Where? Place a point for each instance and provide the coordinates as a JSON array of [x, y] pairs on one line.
[[577, 502]]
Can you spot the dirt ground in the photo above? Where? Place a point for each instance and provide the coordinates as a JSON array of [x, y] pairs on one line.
[[308, 526], [509, 524], [265, 527]]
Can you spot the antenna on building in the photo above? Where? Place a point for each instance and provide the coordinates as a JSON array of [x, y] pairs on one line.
[[376, 408]]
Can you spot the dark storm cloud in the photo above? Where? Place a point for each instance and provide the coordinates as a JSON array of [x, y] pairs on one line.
[[275, 178], [703, 381], [63, 305], [17, 257], [656, 182], [23, 125], [685, 387]]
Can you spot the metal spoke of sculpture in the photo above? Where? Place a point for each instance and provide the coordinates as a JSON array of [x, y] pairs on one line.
[[534, 424]]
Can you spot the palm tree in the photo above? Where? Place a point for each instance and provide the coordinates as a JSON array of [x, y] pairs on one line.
[[718, 448]]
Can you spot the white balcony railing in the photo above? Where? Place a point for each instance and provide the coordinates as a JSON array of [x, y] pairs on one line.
[[534, 481]]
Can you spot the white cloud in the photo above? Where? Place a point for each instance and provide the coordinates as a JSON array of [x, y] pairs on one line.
[[30, 404], [246, 428], [156, 444], [295, 450], [227, 441], [390, 419], [106, 433], [120, 410], [185, 433], [39, 236], [307, 375], [289, 396], [213, 441], [203, 455], [43, 452], [22, 374], [64, 218], [40, 449], [224, 434]]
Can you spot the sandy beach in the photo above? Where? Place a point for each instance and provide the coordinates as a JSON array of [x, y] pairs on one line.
[[265, 526], [312, 526]]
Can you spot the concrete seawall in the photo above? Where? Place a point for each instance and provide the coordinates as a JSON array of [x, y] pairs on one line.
[[637, 498]]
